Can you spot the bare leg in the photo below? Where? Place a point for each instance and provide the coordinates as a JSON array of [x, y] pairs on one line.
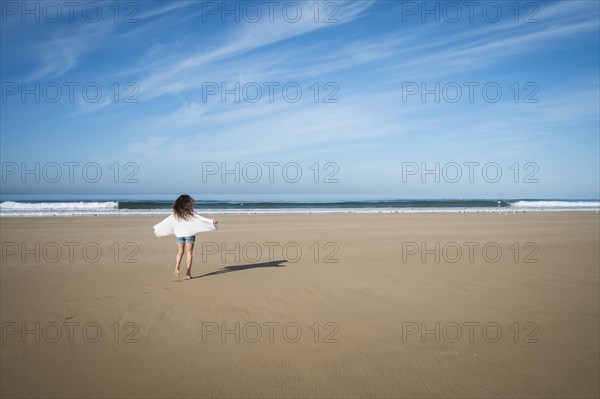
[[189, 249], [178, 258]]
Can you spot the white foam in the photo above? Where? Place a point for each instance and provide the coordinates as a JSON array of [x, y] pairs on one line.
[[111, 208], [556, 204], [58, 206]]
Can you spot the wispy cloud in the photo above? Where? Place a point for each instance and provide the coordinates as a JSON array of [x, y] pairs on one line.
[[245, 38], [69, 42]]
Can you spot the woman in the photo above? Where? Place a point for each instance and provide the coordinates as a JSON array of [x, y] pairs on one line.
[[184, 223]]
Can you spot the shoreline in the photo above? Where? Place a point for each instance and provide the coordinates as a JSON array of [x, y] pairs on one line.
[[374, 212], [160, 206]]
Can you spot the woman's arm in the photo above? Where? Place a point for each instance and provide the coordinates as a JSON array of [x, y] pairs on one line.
[[213, 221]]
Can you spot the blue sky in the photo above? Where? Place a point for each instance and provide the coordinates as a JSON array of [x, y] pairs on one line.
[[369, 57]]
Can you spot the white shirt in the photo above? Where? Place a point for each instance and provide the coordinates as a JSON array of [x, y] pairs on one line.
[[184, 228]]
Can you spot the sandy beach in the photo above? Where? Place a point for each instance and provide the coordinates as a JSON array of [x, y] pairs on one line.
[[297, 306]]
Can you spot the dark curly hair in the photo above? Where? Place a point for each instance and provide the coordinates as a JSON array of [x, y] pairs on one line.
[[183, 208]]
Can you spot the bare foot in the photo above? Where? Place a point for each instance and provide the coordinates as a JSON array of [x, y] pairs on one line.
[[177, 273], [188, 276]]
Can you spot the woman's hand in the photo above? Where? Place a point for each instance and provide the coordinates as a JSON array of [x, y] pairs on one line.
[[215, 222]]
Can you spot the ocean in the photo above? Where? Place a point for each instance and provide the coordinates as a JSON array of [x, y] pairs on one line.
[[21, 205]]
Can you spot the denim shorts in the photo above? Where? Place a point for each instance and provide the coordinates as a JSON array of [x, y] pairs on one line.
[[188, 240]]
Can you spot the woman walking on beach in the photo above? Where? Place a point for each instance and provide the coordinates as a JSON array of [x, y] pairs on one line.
[[184, 223], [183, 210]]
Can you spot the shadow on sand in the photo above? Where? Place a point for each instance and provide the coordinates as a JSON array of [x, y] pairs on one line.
[[227, 269]]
